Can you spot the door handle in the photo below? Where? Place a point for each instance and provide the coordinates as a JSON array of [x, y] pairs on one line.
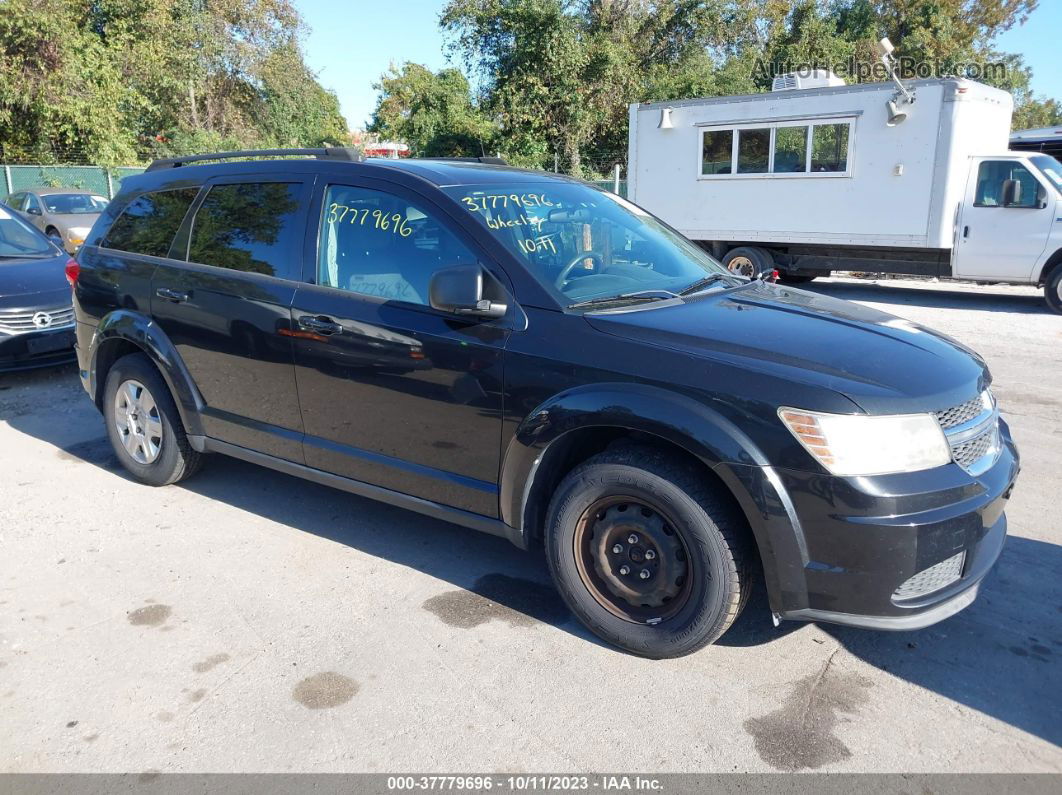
[[966, 231], [177, 296], [319, 324]]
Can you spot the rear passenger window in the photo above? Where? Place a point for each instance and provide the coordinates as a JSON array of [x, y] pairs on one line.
[[250, 226], [148, 224], [379, 244]]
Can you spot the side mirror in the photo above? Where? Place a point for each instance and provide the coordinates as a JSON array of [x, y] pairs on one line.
[[34, 210], [459, 290], [1011, 193]]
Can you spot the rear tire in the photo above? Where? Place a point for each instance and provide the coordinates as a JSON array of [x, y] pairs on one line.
[[1053, 290], [749, 261], [143, 424], [700, 566]]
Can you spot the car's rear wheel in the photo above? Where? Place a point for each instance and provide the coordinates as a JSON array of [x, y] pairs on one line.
[[143, 424], [646, 553]]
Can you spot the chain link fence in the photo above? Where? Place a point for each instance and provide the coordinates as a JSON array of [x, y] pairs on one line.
[[98, 179]]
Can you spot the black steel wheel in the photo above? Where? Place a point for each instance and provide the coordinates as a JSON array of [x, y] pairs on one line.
[[647, 552]]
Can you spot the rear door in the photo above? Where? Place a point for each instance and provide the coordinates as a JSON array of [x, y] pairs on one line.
[[226, 307], [999, 241], [393, 392]]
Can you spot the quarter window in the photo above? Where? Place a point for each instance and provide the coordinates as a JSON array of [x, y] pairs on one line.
[[249, 226], [147, 225], [379, 244]]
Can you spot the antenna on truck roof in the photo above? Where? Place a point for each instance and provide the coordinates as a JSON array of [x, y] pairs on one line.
[[894, 107]]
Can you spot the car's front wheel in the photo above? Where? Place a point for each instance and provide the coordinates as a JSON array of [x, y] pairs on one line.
[[143, 424], [1053, 290], [646, 553]]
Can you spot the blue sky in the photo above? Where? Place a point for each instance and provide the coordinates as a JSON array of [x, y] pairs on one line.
[[351, 46]]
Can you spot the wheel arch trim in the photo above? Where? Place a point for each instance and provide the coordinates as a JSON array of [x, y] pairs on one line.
[[125, 325], [682, 421]]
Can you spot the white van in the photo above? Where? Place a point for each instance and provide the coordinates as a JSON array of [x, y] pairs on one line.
[[818, 176]]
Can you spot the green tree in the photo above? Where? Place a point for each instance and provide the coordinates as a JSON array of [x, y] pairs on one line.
[[433, 112]]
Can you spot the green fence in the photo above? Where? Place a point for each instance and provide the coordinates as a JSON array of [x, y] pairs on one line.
[[103, 181], [610, 185]]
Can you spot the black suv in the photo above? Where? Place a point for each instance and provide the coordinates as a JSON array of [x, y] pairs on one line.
[[536, 358]]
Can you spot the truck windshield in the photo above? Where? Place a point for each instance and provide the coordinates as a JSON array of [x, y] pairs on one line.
[[584, 243], [1051, 169]]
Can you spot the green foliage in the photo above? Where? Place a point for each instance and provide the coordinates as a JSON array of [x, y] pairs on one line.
[[116, 81], [432, 112], [554, 78]]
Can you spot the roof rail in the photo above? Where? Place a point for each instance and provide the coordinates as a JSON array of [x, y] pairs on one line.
[[326, 153], [494, 161]]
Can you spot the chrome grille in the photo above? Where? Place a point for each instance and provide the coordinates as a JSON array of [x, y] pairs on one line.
[[972, 431], [964, 412], [22, 322], [968, 453], [932, 579]]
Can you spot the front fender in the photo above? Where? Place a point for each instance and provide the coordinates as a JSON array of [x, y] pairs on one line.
[[129, 326], [685, 422]]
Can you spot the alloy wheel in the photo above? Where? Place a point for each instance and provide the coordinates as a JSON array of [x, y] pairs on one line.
[[137, 420]]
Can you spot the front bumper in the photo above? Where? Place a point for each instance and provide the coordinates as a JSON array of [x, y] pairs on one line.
[[31, 349], [856, 541]]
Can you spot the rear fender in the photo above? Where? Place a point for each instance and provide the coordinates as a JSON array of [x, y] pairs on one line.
[[128, 326]]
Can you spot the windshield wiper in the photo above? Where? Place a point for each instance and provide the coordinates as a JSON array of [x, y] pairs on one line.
[[640, 295], [700, 284]]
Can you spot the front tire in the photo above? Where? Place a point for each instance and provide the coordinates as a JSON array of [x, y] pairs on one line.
[[1053, 290], [646, 554], [748, 261], [143, 424]]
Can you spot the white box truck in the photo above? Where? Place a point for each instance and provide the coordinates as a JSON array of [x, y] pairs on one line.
[[817, 176]]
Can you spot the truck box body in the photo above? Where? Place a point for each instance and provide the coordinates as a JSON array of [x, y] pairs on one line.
[[896, 187]]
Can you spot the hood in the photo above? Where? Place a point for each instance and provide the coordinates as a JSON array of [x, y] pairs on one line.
[[80, 220], [21, 280], [882, 363]]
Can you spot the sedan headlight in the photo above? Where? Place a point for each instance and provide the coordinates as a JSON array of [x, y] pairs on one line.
[[76, 234], [859, 444]]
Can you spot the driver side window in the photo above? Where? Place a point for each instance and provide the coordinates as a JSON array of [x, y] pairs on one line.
[[379, 244], [990, 178]]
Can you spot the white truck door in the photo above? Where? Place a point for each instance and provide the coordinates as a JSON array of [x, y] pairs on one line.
[[997, 239]]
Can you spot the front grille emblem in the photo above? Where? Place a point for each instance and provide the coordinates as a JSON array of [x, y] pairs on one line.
[[42, 320]]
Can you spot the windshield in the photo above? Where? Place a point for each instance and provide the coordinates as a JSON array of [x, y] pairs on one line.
[[583, 243], [1051, 169], [74, 203], [19, 239]]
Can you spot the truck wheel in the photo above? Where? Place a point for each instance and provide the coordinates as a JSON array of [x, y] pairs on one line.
[[143, 424], [646, 554], [1053, 290], [748, 261]]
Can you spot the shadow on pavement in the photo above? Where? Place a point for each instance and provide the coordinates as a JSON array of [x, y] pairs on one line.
[[881, 292], [1001, 656]]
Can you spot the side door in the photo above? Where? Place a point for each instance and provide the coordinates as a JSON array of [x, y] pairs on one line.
[[225, 304], [995, 238], [393, 392], [35, 211]]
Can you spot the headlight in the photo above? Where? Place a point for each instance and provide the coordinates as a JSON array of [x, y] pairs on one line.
[[76, 235], [858, 444]]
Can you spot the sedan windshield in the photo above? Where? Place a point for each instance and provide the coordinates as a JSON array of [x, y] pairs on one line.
[[19, 239], [74, 203], [585, 244]]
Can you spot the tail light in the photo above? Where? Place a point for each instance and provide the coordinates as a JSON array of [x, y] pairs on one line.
[[73, 270]]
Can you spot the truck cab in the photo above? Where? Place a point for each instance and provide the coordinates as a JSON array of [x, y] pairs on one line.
[[1008, 226]]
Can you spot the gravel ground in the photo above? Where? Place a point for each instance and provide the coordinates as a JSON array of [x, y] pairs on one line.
[[248, 621]]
